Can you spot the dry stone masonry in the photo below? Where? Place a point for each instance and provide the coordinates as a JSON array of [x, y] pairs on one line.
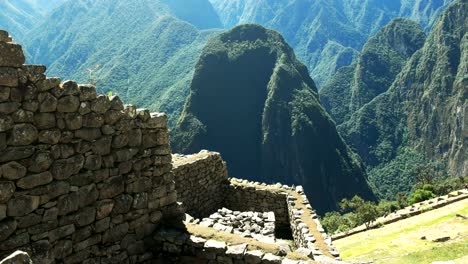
[[259, 225], [87, 179], [83, 178]]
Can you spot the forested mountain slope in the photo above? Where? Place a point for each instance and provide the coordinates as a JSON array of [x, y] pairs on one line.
[[142, 47], [254, 102], [381, 59], [326, 34], [423, 113]]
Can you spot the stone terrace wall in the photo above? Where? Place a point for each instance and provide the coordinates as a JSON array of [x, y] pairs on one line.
[[83, 178], [248, 198], [201, 181]]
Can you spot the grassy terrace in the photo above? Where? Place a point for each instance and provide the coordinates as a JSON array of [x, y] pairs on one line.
[[401, 242]]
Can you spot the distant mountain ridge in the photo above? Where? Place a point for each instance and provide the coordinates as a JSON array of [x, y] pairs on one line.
[[381, 59], [326, 34], [423, 112], [254, 102]]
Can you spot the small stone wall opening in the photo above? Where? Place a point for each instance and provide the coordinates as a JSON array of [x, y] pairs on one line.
[[284, 233]]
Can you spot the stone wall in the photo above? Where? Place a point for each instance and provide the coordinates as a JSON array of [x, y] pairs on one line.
[[248, 198], [83, 178], [201, 181]]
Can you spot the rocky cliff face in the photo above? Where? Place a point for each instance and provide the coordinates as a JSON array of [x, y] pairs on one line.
[[253, 101], [425, 108], [381, 59]]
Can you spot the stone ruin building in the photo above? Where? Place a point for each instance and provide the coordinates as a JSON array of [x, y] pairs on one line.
[[87, 179]]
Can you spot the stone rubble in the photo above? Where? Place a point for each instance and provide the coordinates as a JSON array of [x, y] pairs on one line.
[[258, 225]]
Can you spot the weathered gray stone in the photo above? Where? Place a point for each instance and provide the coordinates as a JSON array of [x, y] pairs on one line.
[[44, 120], [11, 55], [113, 116], [28, 220], [130, 110], [93, 120], [116, 233], [51, 137], [157, 120], [4, 93], [70, 88], [102, 225], [68, 203], [156, 217], [215, 246], [6, 122], [271, 259], [8, 107], [85, 216], [48, 84], [89, 134], [253, 256], [18, 257], [35, 180], [13, 170], [22, 116], [73, 121], [23, 134], [3, 144], [122, 204], [40, 162], [93, 162], [7, 189], [62, 249], [125, 154], [33, 73], [68, 104], [88, 92], [7, 228], [120, 141], [47, 102], [16, 153], [63, 169], [104, 208], [15, 241], [61, 232], [22, 205], [112, 187], [102, 146], [116, 103], [3, 212], [101, 104], [236, 251]]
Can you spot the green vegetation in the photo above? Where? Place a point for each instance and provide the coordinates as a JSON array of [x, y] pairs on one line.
[[381, 59], [146, 51], [254, 102], [326, 35], [356, 212], [400, 242]]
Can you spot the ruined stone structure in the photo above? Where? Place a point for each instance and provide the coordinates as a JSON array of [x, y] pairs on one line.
[[87, 179]]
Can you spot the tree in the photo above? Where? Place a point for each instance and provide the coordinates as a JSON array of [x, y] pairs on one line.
[[366, 212]]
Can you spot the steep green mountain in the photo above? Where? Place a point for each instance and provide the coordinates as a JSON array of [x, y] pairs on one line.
[[17, 17], [381, 59], [326, 34], [142, 50], [20, 16], [423, 114], [254, 102]]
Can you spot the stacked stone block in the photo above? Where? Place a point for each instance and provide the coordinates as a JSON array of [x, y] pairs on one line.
[[83, 178], [201, 182]]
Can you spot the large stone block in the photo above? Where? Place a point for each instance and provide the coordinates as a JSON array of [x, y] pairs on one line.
[[68, 104], [23, 134], [13, 170], [6, 122], [35, 180], [16, 153], [8, 76], [22, 205], [9, 107], [11, 55]]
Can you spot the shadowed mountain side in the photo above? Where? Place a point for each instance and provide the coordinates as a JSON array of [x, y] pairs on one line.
[[254, 102]]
